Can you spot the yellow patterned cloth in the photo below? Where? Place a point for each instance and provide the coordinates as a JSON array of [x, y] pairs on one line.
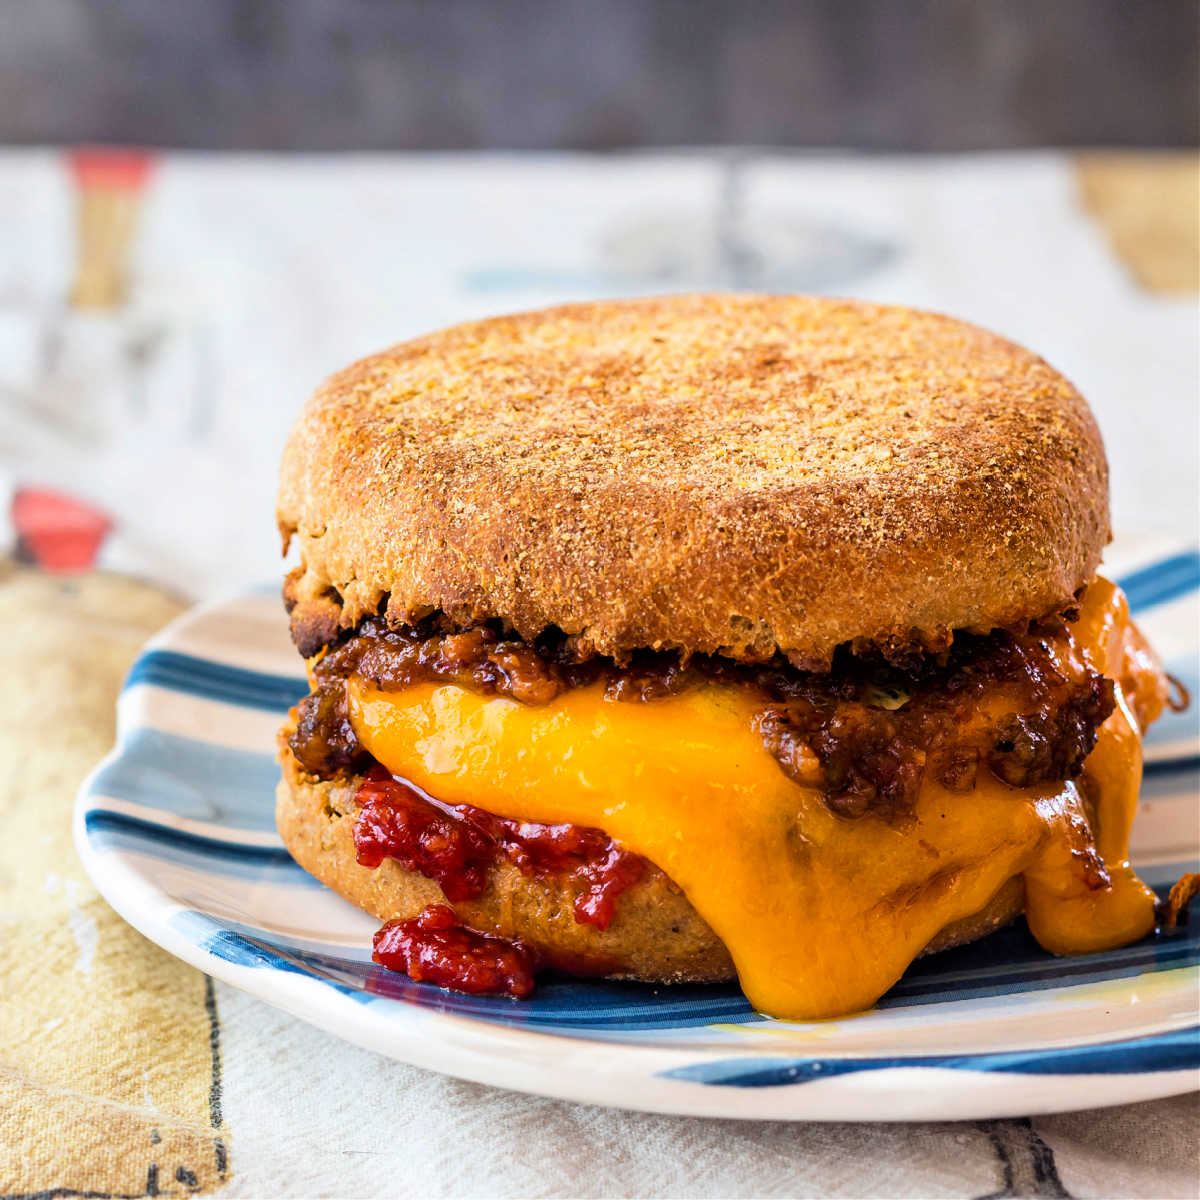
[[109, 1057], [1149, 207]]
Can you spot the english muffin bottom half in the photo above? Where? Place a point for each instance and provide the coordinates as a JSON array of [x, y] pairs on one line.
[[706, 637]]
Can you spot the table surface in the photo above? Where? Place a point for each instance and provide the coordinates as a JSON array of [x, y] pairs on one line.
[[126, 1073]]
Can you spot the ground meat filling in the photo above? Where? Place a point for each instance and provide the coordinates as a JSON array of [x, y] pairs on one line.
[[867, 733], [1000, 703]]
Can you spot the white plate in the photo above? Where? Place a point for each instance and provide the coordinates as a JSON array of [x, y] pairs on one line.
[[176, 828]]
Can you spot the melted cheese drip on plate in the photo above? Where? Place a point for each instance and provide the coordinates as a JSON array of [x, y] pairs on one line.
[[821, 914]]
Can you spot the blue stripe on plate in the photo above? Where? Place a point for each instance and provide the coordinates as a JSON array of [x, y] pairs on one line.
[[1172, 766], [558, 1003], [1178, 1050], [1008, 962], [268, 864], [578, 1005], [1162, 581], [244, 946], [202, 781], [217, 681], [1126, 963]]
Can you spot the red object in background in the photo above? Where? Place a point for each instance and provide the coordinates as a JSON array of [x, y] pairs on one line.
[[119, 168], [55, 531], [109, 183]]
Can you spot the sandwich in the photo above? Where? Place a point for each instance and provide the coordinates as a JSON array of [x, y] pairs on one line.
[[706, 638]]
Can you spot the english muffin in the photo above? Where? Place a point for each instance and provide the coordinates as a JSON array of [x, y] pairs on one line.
[[710, 637]]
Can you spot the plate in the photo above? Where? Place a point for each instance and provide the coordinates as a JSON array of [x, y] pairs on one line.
[[176, 828]]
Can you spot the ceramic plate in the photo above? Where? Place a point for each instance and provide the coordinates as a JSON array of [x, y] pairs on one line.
[[176, 828]]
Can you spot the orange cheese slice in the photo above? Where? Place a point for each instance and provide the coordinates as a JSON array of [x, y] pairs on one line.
[[821, 914]]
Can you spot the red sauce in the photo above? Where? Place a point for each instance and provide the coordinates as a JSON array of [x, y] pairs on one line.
[[395, 821], [607, 877], [456, 846], [434, 948]]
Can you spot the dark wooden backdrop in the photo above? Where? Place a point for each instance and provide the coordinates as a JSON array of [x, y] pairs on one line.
[[596, 74]]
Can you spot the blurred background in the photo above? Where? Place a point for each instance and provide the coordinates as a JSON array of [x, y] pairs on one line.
[[903, 75], [205, 208]]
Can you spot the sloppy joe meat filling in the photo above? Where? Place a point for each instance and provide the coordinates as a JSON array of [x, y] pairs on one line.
[[866, 733]]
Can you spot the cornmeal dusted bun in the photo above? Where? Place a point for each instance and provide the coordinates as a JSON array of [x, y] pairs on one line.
[[722, 474], [656, 935]]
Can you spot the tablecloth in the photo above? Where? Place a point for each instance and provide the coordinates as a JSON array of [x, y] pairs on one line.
[[124, 1072]]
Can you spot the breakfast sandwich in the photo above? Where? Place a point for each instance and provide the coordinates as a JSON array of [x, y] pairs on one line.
[[707, 638]]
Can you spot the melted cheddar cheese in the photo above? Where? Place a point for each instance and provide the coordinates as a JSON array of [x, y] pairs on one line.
[[821, 914]]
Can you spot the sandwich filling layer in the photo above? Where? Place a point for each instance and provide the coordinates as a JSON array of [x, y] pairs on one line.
[[827, 827]]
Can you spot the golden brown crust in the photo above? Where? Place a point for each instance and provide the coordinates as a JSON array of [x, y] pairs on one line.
[[723, 474], [656, 935]]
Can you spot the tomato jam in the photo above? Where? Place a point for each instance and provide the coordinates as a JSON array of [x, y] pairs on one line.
[[396, 821], [433, 947], [457, 845]]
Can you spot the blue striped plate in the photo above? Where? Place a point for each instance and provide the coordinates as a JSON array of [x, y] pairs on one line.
[[176, 828]]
